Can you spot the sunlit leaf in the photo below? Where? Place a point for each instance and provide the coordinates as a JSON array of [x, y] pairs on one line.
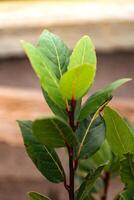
[[76, 82], [47, 78], [54, 51], [83, 53]]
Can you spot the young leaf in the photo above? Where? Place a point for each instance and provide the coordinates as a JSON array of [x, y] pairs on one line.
[[94, 139], [37, 196], [54, 107], [99, 98], [75, 82], [127, 170], [48, 80], [83, 53], [45, 159], [54, 51], [118, 134], [53, 132], [88, 183]]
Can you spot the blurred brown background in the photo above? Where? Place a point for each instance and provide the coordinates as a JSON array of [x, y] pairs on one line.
[[111, 26]]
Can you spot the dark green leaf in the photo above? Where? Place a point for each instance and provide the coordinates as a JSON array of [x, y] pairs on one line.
[[48, 80], [45, 159], [95, 136], [86, 131], [53, 132], [118, 134], [127, 170], [83, 53], [99, 98], [37, 196], [54, 107], [76, 81], [88, 183]]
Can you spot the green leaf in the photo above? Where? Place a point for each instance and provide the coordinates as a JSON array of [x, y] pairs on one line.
[[54, 132], [127, 194], [54, 51], [75, 82], [103, 155], [45, 159], [118, 134], [54, 107], [99, 98], [36, 196], [95, 136], [83, 53], [48, 80], [127, 170], [87, 131], [88, 183]]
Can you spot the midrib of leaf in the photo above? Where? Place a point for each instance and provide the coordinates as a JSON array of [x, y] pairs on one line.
[[58, 60], [85, 135], [49, 155], [92, 120], [118, 134], [83, 55], [54, 161], [50, 74], [59, 130], [73, 87]]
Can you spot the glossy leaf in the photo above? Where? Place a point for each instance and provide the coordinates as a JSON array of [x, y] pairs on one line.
[[53, 132], [76, 82], [37, 196], [95, 136], [118, 134], [48, 80], [89, 182], [127, 170], [45, 159], [83, 53], [54, 51], [54, 107], [99, 98]]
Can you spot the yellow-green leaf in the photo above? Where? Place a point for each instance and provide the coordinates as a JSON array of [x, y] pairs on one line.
[[83, 53], [54, 51], [48, 80], [76, 82], [37, 196]]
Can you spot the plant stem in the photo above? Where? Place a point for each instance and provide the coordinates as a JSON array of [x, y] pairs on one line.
[[72, 169], [106, 180], [71, 172]]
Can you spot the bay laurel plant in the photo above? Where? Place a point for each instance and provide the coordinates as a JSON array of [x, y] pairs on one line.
[[98, 141]]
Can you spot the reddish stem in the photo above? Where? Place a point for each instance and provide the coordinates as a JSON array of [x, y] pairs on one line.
[[72, 168]]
